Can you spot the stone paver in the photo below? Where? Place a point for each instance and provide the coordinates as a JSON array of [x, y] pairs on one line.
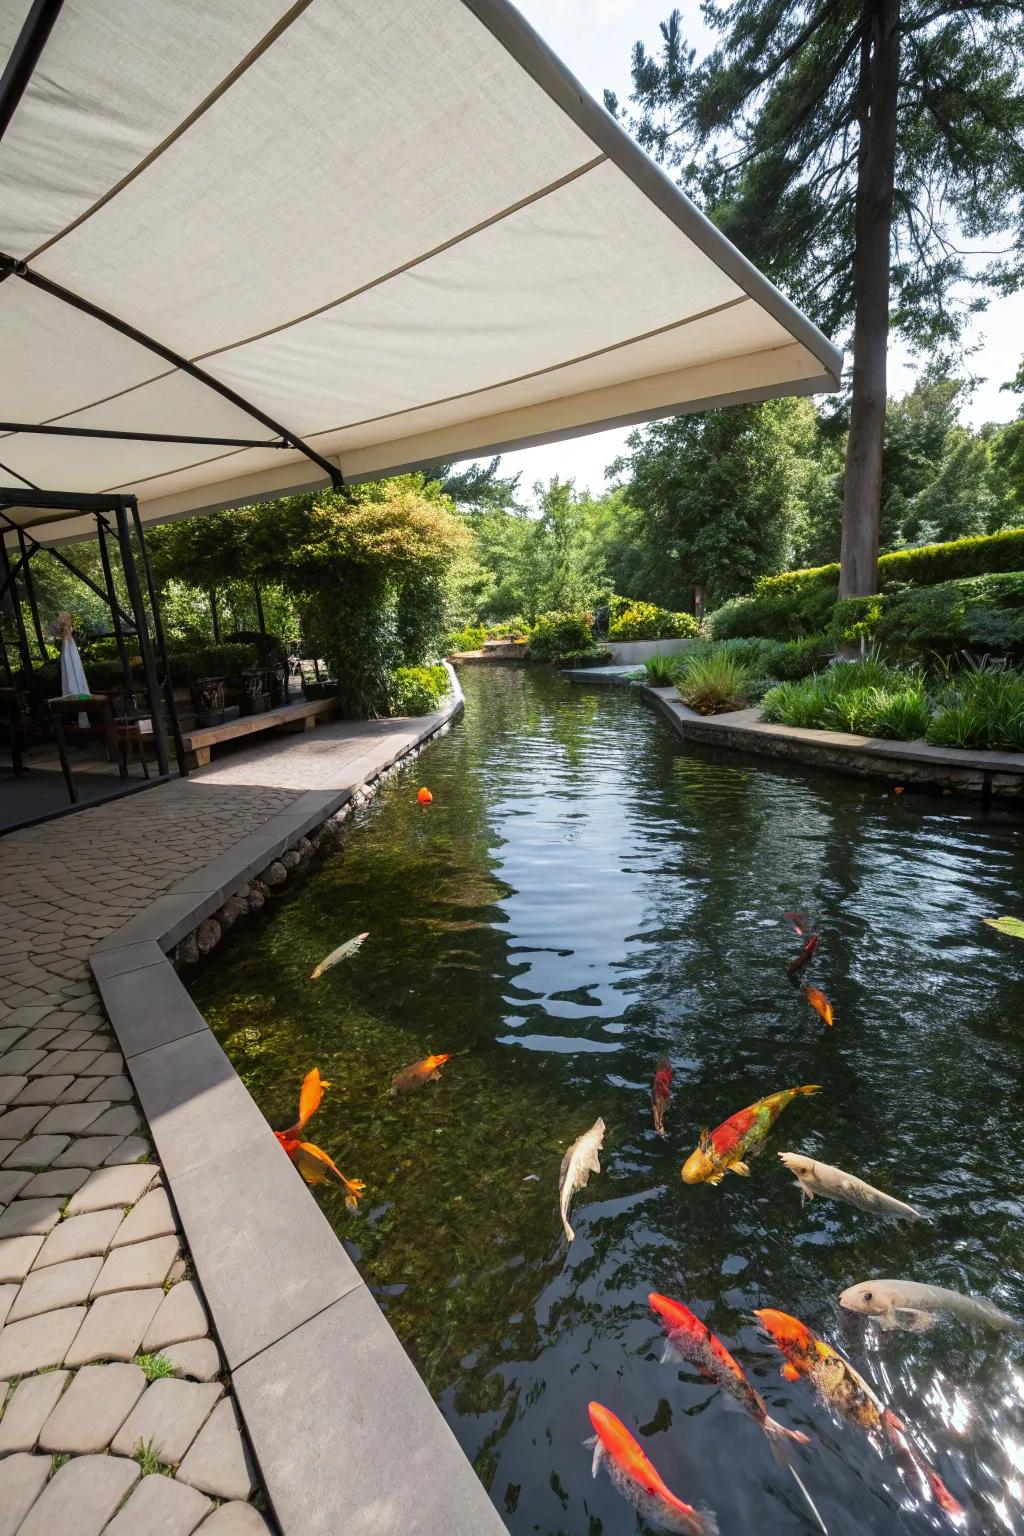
[[57, 1285], [18, 1062], [7, 1295], [114, 1089], [218, 1461], [19, 1122], [152, 1217], [81, 1497], [56, 1181], [170, 1414], [137, 1266], [79, 1237], [11, 1085], [12, 1183], [37, 1152], [21, 1482], [17, 1255], [87, 1151], [114, 1327], [117, 1118], [181, 1317], [37, 1342], [160, 1506], [93, 1409], [31, 1403], [43, 1090], [235, 1520], [72, 1119], [198, 1358], [132, 1149], [113, 1186], [30, 1216]]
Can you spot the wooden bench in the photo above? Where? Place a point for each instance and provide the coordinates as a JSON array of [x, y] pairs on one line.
[[287, 717]]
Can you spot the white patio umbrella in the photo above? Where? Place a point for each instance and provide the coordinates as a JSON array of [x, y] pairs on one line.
[[72, 673]]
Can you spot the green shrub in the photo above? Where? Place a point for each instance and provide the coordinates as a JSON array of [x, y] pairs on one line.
[[515, 628], [469, 639], [901, 713], [980, 613], [713, 682], [980, 707], [418, 690], [645, 621], [793, 704], [593, 656], [561, 634], [189, 662], [801, 603], [866, 698], [771, 658], [660, 670]]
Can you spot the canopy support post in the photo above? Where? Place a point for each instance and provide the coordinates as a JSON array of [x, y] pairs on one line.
[[10, 585], [25, 56], [115, 609], [138, 608], [158, 632], [30, 591]]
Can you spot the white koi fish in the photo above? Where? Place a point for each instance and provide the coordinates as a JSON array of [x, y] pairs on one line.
[[814, 1178], [343, 952], [915, 1307], [578, 1164]]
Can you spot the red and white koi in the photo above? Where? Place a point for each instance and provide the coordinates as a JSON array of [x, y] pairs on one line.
[[636, 1478]]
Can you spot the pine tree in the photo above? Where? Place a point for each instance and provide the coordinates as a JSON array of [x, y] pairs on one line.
[[869, 155]]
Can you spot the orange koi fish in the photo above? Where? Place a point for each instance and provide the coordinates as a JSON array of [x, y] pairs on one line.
[[426, 1071], [637, 1480], [805, 956], [723, 1150], [310, 1097], [690, 1340], [842, 1388], [820, 1003], [317, 1168], [425, 797], [661, 1093], [798, 920]]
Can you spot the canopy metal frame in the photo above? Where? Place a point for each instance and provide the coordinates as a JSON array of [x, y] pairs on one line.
[[13, 84], [152, 646]]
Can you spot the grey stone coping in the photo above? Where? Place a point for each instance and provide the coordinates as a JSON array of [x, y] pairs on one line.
[[303, 1338]]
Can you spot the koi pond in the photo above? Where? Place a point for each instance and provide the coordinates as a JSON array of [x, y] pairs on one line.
[[584, 895]]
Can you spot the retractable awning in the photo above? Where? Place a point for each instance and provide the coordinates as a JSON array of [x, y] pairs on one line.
[[246, 247]]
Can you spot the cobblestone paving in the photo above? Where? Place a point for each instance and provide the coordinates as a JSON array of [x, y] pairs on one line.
[[116, 1416]]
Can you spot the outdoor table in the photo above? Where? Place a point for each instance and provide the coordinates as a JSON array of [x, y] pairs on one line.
[[98, 709]]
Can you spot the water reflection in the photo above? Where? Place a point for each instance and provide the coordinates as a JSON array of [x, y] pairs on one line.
[[584, 895]]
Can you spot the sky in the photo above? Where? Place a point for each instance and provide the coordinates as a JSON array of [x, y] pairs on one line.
[[595, 39]]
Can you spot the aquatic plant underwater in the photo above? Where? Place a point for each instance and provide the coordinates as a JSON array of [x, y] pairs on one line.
[[583, 905]]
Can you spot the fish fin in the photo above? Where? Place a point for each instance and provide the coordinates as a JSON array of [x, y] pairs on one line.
[[670, 1355], [703, 1522], [810, 1502], [789, 1373], [435, 1076], [714, 1178], [594, 1162], [704, 1140], [743, 1169], [780, 1438], [806, 1192], [911, 1319], [569, 1233], [594, 1444], [314, 974]]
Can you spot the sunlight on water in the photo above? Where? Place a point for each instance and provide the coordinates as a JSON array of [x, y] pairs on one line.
[[584, 895]]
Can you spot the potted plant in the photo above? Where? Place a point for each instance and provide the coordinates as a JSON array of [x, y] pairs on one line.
[[208, 700], [255, 694]]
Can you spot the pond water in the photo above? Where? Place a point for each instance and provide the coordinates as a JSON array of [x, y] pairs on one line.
[[584, 895]]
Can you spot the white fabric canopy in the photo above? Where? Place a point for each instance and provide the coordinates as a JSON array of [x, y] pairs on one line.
[[398, 231]]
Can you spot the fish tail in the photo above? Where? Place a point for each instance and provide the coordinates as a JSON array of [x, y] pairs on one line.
[[897, 1433], [779, 1438], [810, 1502], [703, 1523], [569, 1233], [807, 1088]]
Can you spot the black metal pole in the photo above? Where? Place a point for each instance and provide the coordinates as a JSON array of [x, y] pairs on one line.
[[115, 611], [158, 631], [24, 56], [6, 660], [62, 560], [131, 577], [30, 591], [10, 583]]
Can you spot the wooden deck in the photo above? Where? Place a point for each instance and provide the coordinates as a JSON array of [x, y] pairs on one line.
[[287, 717]]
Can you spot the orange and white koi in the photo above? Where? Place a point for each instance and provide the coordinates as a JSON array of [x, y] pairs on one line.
[[426, 1071], [723, 1150], [843, 1389], [317, 1168], [310, 1098], [636, 1478], [820, 1003], [661, 1093], [798, 920]]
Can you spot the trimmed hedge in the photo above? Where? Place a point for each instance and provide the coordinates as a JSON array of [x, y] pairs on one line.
[[800, 603], [418, 690], [561, 634], [646, 621]]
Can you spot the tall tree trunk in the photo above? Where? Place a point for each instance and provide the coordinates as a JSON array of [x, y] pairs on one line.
[[261, 622], [215, 615], [876, 164]]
